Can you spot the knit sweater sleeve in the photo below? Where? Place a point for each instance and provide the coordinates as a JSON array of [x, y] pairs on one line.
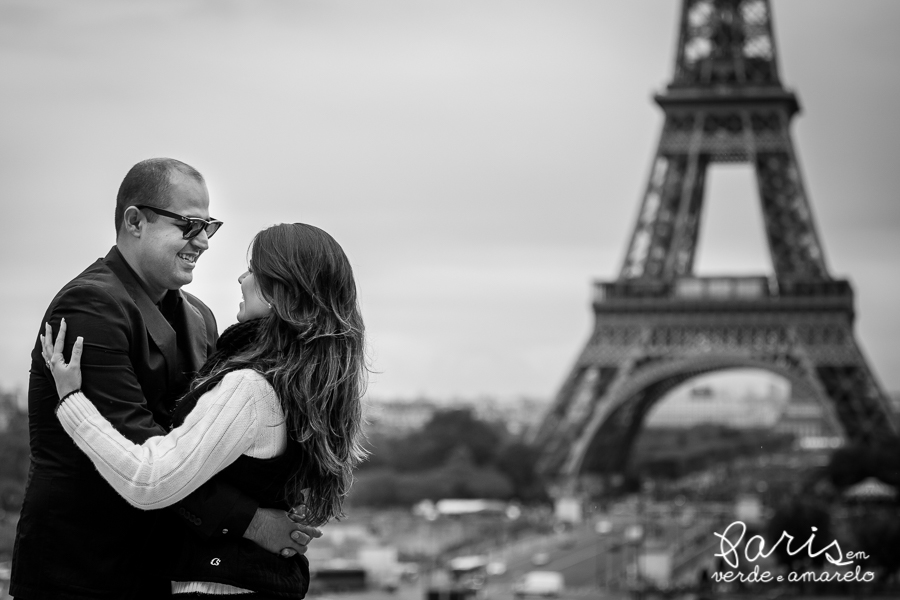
[[165, 469]]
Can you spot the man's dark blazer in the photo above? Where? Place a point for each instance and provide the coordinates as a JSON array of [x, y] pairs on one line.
[[77, 538]]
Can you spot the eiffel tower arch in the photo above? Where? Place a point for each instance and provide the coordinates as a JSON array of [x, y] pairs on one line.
[[658, 325]]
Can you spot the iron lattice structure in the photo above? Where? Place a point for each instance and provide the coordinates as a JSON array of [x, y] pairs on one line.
[[658, 325]]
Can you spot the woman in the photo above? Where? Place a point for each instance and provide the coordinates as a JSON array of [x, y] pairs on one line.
[[275, 410]]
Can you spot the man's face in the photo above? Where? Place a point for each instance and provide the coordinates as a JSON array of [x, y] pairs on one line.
[[166, 260]]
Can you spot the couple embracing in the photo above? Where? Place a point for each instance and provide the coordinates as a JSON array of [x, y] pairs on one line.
[[168, 461]]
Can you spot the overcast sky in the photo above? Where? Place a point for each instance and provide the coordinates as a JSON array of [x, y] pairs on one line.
[[481, 161]]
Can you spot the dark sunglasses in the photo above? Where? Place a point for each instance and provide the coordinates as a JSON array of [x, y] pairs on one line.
[[192, 226]]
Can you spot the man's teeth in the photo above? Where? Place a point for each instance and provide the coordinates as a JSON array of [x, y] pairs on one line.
[[191, 258]]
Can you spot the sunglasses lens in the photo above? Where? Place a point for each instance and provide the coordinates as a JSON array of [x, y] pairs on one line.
[[212, 228], [192, 229]]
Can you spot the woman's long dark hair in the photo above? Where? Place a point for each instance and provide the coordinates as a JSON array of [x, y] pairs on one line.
[[311, 349]]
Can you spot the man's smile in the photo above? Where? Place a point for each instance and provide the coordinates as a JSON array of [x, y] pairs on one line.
[[189, 258]]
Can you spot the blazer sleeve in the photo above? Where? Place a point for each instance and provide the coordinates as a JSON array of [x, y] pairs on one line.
[[108, 376]]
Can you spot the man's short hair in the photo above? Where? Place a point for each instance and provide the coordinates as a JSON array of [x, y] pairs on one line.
[[147, 183]]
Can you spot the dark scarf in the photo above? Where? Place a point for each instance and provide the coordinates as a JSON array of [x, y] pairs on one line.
[[233, 340]]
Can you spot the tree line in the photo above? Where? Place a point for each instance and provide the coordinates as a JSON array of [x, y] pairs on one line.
[[455, 455]]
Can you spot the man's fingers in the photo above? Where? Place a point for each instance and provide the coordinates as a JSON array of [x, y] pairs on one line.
[[294, 547], [309, 530], [300, 537], [75, 360], [293, 550]]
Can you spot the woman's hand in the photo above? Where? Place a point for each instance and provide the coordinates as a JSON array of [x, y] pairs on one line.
[[66, 376]]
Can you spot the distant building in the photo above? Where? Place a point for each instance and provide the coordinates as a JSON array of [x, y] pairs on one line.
[[397, 418], [517, 414], [707, 404], [703, 392], [805, 418]]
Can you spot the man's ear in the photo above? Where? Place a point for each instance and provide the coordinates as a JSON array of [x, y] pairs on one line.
[[134, 221]]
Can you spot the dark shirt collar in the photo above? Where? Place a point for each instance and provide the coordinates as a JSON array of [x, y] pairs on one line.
[[169, 307]]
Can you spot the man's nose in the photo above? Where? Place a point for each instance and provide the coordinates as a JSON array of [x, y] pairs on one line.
[[201, 240]]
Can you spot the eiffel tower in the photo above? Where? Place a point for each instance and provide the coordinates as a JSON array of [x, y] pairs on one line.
[[658, 325]]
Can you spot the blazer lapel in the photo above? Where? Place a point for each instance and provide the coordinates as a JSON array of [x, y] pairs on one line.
[[196, 333], [159, 329]]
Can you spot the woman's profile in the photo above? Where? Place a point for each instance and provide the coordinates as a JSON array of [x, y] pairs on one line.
[[275, 410]]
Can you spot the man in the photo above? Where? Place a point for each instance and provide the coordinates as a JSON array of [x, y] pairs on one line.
[[144, 339]]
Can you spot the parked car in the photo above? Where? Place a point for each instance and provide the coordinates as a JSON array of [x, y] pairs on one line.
[[539, 583], [633, 533], [603, 526]]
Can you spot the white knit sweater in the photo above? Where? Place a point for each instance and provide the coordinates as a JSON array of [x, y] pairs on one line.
[[241, 415]]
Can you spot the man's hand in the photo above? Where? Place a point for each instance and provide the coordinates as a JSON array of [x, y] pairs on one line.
[[276, 532]]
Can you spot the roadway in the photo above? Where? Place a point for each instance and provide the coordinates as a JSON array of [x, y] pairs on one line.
[[595, 565]]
